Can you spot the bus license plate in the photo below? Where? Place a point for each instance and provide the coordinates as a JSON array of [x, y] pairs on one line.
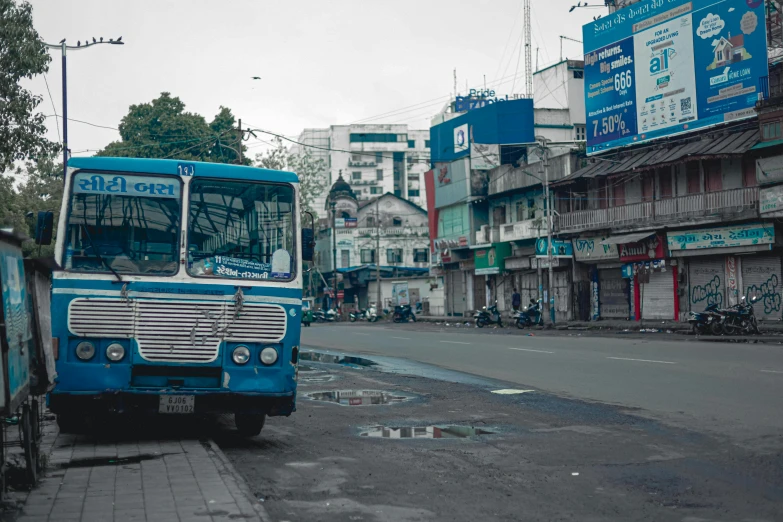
[[177, 403]]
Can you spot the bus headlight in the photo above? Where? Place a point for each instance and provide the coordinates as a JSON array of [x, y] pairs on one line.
[[268, 355], [115, 352], [241, 355], [85, 351]]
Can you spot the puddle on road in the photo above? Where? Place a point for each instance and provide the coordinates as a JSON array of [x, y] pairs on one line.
[[424, 432], [360, 397], [110, 461], [316, 379], [344, 360]]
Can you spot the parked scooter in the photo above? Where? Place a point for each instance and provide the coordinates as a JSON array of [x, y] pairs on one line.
[[372, 314], [530, 315], [487, 316], [357, 315], [329, 316], [740, 318], [403, 314], [708, 321]]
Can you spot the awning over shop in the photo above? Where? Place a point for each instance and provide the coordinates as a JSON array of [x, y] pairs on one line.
[[718, 146], [627, 238]]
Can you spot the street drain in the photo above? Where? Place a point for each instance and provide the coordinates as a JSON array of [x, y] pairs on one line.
[[344, 360], [360, 397], [110, 461], [424, 432]]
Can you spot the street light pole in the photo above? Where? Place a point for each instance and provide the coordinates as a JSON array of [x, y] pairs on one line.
[[334, 254], [63, 48], [543, 150]]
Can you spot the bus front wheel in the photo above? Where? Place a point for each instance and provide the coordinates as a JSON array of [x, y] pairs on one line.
[[249, 424]]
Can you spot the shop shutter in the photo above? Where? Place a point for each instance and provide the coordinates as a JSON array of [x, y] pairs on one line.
[[479, 291], [613, 294], [455, 292], [706, 283], [761, 279], [528, 289], [658, 296]]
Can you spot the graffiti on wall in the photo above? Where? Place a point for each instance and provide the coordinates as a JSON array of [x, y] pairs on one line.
[[767, 294], [711, 293]]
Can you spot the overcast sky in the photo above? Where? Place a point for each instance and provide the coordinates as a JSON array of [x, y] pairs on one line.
[[321, 63]]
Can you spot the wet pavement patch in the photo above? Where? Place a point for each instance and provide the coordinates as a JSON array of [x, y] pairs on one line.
[[424, 432], [345, 360], [360, 397], [110, 461]]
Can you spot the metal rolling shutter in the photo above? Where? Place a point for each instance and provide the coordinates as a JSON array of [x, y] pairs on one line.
[[561, 289], [613, 294], [761, 278], [528, 289], [707, 283], [479, 291], [658, 296], [455, 292]]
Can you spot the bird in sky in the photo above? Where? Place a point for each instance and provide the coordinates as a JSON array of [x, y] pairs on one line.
[[256, 77]]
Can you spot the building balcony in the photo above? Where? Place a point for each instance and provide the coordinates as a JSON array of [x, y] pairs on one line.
[[705, 207], [393, 231], [487, 235], [362, 164], [521, 230], [363, 182]]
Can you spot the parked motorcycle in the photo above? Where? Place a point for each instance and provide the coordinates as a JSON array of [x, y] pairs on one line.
[[487, 316], [530, 315], [708, 321], [740, 318], [328, 316], [372, 314], [357, 315], [403, 314]]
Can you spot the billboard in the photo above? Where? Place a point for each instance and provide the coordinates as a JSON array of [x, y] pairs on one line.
[[664, 67], [484, 157]]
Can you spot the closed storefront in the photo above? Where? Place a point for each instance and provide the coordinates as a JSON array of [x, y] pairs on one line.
[[562, 289], [613, 294], [479, 291], [657, 296], [761, 279], [455, 292], [706, 282]]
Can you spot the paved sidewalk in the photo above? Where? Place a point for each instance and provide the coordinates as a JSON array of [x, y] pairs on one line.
[[166, 481]]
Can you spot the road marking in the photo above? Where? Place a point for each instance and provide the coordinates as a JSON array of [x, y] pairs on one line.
[[640, 360], [403, 338], [770, 371], [529, 350], [453, 342], [511, 391]]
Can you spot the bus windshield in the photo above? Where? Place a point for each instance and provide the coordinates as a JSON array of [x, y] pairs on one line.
[[123, 223], [240, 229]]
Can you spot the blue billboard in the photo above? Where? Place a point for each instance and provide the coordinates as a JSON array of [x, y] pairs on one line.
[[664, 67], [509, 122]]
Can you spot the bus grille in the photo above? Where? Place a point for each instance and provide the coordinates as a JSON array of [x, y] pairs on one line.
[[177, 331]]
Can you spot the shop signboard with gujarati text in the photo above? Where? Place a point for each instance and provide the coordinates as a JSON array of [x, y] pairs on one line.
[[723, 237], [560, 248], [590, 249]]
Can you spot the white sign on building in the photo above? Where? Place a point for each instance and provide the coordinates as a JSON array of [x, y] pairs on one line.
[[484, 157]]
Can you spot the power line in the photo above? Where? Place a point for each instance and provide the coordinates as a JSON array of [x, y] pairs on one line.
[[56, 121]]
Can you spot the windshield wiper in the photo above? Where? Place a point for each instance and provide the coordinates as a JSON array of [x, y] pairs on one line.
[[99, 256]]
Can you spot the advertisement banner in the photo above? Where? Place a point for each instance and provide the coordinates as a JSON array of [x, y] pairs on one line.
[[491, 261], [771, 200], [589, 249], [400, 293], [663, 67], [732, 236], [484, 157], [461, 140], [650, 248], [560, 248]]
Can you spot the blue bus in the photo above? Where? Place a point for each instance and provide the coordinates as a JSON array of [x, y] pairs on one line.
[[179, 290]]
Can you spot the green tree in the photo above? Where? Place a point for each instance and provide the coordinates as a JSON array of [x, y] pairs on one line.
[[163, 129], [309, 169], [22, 55]]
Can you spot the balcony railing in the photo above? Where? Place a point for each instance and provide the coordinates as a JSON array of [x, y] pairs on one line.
[[704, 205], [365, 163], [393, 231]]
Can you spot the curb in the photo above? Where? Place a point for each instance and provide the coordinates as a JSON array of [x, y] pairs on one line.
[[226, 468]]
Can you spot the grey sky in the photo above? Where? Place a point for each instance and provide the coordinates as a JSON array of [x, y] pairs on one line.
[[322, 63]]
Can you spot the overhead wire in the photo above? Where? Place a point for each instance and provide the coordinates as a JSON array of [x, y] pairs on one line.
[[56, 121]]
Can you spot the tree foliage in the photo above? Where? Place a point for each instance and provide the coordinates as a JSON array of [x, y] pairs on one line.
[[163, 129], [22, 55], [309, 169]]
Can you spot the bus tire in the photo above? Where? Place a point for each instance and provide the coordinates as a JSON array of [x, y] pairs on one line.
[[249, 424]]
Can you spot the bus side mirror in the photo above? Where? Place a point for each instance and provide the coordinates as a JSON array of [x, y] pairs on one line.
[[308, 244], [44, 228]]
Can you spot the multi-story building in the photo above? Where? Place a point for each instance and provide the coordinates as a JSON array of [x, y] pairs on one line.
[[372, 159]]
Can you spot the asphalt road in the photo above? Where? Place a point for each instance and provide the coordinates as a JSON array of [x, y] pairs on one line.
[[729, 389]]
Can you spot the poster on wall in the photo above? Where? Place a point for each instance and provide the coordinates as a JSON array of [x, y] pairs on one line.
[[484, 157], [400, 293], [663, 67]]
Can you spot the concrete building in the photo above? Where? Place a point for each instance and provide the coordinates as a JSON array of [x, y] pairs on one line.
[[372, 159]]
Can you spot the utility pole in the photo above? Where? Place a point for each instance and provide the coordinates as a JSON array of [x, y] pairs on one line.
[[544, 152], [378, 305], [63, 48], [239, 147], [334, 254]]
